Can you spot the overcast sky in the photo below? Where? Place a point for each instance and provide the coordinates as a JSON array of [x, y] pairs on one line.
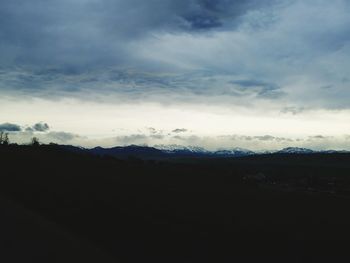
[[213, 73]]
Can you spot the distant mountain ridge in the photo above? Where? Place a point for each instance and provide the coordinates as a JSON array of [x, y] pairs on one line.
[[295, 150], [126, 151], [168, 151]]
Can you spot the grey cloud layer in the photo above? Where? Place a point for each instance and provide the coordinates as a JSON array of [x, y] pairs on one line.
[[9, 127], [286, 51], [128, 85], [77, 33]]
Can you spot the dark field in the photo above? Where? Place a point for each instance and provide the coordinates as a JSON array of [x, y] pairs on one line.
[[59, 206]]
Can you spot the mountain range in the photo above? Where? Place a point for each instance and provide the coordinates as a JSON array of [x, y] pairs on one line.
[[168, 151]]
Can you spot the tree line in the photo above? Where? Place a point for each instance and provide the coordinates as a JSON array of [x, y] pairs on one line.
[[5, 140]]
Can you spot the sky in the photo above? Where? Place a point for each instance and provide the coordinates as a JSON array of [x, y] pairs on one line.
[[212, 73]]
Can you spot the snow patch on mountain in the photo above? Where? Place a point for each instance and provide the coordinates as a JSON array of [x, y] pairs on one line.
[[296, 150]]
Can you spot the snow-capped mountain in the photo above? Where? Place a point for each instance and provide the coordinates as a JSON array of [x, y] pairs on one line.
[[233, 152], [296, 150], [174, 148], [194, 150]]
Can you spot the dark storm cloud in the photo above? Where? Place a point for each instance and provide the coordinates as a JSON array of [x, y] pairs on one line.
[[206, 14], [10, 127], [77, 34], [61, 48], [41, 127]]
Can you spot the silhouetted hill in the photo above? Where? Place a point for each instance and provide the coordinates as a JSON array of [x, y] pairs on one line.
[[160, 152], [128, 151], [176, 151], [258, 208]]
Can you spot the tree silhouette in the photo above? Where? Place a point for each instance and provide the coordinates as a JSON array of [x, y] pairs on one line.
[[35, 141], [5, 139]]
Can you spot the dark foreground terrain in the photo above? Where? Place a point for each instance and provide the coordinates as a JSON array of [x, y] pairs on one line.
[[61, 206]]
